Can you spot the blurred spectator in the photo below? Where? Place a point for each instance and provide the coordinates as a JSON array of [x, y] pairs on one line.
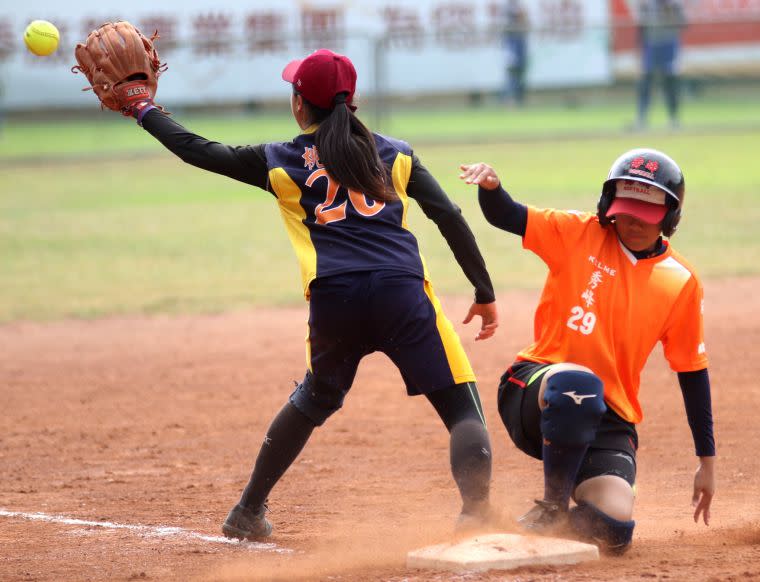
[[2, 108], [516, 47], [660, 26]]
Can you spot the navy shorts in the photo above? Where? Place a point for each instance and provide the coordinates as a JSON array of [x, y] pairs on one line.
[[355, 314], [613, 451]]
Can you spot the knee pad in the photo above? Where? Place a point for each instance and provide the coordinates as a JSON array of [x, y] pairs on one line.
[[471, 459], [317, 400], [574, 407], [613, 536], [470, 445]]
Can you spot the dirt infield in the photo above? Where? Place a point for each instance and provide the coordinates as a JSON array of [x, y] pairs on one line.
[[114, 431]]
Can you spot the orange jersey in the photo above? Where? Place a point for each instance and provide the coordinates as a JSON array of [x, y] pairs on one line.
[[604, 309]]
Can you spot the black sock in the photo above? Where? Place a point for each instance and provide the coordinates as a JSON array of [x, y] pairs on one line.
[[471, 463], [470, 448], [561, 466], [285, 439]]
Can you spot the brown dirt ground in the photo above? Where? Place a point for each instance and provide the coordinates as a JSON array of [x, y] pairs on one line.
[[155, 422]]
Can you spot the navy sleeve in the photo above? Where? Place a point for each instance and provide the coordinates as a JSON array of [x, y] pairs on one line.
[[503, 212], [695, 387], [439, 208], [247, 164]]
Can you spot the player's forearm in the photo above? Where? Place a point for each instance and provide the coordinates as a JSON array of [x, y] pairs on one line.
[[695, 387], [186, 145], [439, 208], [238, 163], [502, 211]]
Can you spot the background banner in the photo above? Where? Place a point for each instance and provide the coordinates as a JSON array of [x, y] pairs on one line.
[[234, 52]]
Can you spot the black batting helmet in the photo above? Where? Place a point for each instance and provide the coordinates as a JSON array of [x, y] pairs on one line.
[[651, 167]]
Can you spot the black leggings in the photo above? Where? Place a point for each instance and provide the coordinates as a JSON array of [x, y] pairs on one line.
[[457, 403], [470, 448]]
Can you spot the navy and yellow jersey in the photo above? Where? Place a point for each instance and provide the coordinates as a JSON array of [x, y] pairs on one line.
[[334, 230]]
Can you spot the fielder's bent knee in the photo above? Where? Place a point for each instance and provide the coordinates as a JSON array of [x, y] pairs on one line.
[[574, 407], [613, 536], [316, 400], [469, 440]]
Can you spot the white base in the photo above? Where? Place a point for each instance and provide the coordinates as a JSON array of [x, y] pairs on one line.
[[501, 552]]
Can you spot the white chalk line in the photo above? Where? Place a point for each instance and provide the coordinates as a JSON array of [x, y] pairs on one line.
[[144, 530]]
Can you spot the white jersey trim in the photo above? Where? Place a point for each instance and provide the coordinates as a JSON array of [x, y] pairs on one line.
[[627, 253], [680, 271]]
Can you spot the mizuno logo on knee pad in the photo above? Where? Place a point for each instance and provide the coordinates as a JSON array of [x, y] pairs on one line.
[[564, 421], [578, 398]]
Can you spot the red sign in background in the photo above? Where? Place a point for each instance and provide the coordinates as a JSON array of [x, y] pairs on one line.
[[710, 23]]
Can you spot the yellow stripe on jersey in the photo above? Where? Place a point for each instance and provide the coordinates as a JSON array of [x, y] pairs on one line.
[[400, 173], [293, 215], [452, 345], [402, 169]]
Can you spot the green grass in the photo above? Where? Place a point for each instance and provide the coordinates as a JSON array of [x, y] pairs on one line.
[[153, 236], [94, 235], [108, 133]]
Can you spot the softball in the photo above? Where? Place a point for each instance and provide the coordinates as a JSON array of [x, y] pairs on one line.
[[41, 37]]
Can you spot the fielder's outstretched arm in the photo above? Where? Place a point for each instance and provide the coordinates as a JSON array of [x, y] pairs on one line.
[[247, 164], [439, 208]]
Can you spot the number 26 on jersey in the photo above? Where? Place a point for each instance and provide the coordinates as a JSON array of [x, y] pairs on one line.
[[328, 211]]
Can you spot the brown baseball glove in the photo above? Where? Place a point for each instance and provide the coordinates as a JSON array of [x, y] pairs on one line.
[[121, 65]]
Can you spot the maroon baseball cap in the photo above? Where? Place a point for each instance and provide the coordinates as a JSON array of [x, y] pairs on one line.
[[321, 76], [644, 201]]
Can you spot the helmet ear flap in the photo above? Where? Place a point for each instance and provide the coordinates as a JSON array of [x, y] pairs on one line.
[[671, 220], [605, 200]]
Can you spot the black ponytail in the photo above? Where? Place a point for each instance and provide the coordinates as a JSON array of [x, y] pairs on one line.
[[348, 151]]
